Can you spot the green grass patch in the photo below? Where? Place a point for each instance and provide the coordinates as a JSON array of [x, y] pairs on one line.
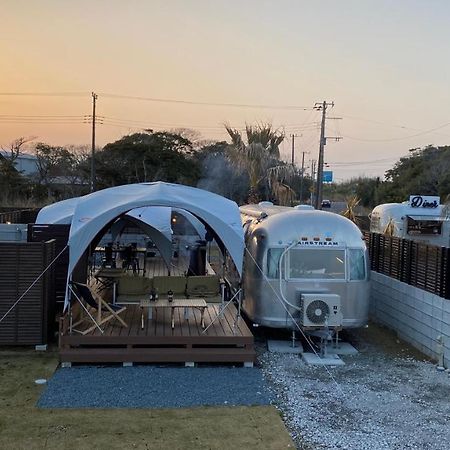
[[24, 426]]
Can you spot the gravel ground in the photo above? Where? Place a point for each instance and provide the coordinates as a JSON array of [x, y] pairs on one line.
[[154, 387], [388, 397]]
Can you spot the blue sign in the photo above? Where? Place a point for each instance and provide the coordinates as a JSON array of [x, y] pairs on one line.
[[327, 176]]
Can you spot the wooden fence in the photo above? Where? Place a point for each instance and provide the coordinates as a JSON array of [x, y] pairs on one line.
[[12, 215], [417, 264], [21, 263], [60, 233]]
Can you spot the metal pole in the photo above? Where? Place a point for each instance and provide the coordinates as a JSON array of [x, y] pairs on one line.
[[320, 162], [303, 173], [93, 183], [313, 174], [293, 150]]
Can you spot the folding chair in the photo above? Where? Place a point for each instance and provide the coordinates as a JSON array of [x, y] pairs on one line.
[[105, 312]]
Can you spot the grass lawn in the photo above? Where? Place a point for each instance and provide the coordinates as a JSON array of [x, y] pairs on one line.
[[24, 426]]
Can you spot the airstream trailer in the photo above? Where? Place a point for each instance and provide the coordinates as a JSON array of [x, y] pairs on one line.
[[303, 265], [420, 219]]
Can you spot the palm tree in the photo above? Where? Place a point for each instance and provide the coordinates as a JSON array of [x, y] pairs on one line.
[[257, 155]]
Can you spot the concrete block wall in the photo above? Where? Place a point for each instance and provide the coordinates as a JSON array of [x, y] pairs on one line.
[[417, 316], [14, 232]]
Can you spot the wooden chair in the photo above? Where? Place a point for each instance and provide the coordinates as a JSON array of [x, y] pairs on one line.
[[104, 311]]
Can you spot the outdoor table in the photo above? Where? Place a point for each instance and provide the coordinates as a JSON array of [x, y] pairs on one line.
[[110, 275], [185, 303]]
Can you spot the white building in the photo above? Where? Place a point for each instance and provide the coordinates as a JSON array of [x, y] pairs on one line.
[[26, 164]]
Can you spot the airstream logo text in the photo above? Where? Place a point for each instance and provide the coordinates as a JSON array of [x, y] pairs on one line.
[[419, 201], [318, 243]]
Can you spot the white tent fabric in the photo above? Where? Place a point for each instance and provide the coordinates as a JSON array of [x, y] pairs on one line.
[[58, 213], [198, 226], [157, 217], [155, 221], [156, 224], [94, 211]]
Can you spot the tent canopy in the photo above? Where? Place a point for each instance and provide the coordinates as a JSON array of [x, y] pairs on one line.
[[58, 213], [95, 211], [155, 223], [157, 217]]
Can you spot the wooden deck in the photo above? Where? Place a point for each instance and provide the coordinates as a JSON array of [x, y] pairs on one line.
[[158, 342]]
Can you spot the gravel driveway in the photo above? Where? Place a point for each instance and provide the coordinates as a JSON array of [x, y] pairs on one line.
[[386, 397], [149, 386]]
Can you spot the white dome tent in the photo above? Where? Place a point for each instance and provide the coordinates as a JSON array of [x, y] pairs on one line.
[[95, 211], [155, 221]]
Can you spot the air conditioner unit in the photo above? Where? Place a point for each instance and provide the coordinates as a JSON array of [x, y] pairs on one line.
[[319, 310]]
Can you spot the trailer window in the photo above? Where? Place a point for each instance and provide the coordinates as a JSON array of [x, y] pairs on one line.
[[317, 264], [356, 264], [273, 262], [421, 225]]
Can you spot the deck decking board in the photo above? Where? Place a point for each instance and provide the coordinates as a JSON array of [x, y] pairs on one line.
[[228, 322], [227, 325], [216, 325], [158, 342]]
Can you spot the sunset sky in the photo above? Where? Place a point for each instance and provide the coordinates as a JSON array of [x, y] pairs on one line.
[[385, 64]]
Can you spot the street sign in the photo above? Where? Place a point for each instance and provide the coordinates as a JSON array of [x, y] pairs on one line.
[[327, 176]]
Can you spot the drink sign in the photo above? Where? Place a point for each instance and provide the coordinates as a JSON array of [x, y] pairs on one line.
[[424, 201]]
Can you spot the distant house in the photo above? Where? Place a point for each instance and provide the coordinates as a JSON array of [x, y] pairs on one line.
[[25, 163]]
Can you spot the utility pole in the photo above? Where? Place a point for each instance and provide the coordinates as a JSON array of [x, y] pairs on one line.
[[313, 168], [293, 136], [94, 102], [323, 141], [303, 174], [313, 174]]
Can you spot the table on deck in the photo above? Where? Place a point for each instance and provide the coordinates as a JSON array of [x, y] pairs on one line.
[[185, 303], [110, 274]]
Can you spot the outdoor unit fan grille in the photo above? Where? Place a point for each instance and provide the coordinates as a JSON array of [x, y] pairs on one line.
[[317, 311]]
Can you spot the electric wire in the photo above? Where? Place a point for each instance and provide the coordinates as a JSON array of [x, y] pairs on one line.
[[198, 103], [311, 125], [422, 133], [21, 116], [45, 94], [42, 122]]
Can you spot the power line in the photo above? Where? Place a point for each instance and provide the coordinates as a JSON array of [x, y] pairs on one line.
[[400, 138], [362, 163], [44, 94], [41, 122], [19, 116], [192, 102], [141, 123]]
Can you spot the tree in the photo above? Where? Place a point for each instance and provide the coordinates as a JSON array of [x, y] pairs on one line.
[[12, 183], [148, 156], [425, 171], [56, 165], [256, 156]]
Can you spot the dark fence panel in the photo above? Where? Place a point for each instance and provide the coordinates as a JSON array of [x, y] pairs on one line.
[[18, 215], [60, 233], [363, 223], [20, 265], [415, 263]]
